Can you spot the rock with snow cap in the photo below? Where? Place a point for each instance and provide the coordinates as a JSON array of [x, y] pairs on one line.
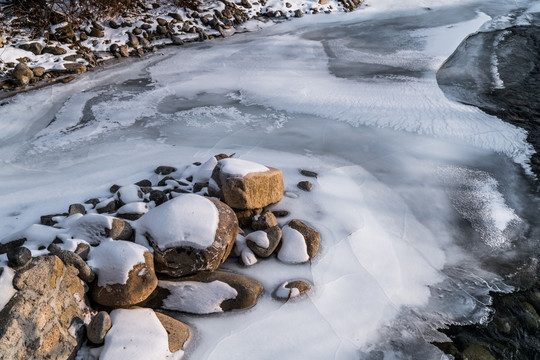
[[125, 273], [139, 334], [292, 289], [189, 233], [263, 243], [243, 184], [264, 221], [299, 243], [128, 194], [165, 170], [206, 292], [132, 211]]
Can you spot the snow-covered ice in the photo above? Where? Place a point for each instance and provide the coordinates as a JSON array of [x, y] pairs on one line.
[[350, 96]]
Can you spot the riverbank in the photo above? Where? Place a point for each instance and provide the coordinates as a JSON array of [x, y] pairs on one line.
[[67, 50]]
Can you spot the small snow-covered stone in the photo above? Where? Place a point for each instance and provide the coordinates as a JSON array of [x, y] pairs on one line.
[[263, 221], [293, 289], [244, 184], [164, 170], [311, 236], [125, 273], [132, 211], [190, 233], [272, 237], [129, 193], [293, 246]]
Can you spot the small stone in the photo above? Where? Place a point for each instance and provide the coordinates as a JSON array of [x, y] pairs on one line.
[[305, 185], [113, 24], [143, 183], [124, 50], [164, 170], [161, 21], [49, 219], [93, 202], [10, 245], [94, 32], [121, 230], [133, 41], [35, 48], [263, 221], [19, 256], [97, 25], [280, 213], [137, 31], [67, 79], [54, 50], [158, 196], [109, 207], [177, 40], [146, 27], [98, 327], [76, 209], [274, 237], [163, 182], [75, 68], [83, 36], [114, 188], [176, 16], [70, 258], [161, 30], [309, 173], [22, 73], [298, 13], [83, 249], [293, 289], [38, 71]]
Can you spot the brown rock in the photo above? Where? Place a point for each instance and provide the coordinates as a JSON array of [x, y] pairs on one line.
[[245, 217], [12, 244], [76, 209], [54, 50], [75, 68], [22, 73], [38, 71], [264, 221], [248, 290], [120, 230], [177, 331], [251, 191], [98, 327], [64, 34], [305, 185], [309, 173], [35, 48], [292, 289], [274, 237], [185, 260], [141, 279], [312, 237]]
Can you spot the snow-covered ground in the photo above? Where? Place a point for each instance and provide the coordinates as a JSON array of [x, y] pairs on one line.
[[417, 196]]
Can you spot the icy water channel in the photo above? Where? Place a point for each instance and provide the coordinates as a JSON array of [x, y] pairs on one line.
[[424, 205]]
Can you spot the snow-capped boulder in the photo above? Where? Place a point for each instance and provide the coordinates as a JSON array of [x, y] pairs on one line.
[[137, 334], [299, 243], [205, 293], [125, 273], [292, 289], [264, 242], [44, 319], [189, 233], [244, 184]]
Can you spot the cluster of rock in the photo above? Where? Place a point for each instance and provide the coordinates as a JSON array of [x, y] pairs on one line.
[[76, 47], [147, 247]]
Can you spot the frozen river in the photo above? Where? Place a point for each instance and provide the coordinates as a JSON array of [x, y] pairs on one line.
[[424, 204]]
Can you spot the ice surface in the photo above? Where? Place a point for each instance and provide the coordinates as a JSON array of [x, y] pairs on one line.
[[399, 255], [197, 297], [239, 167], [293, 246], [6, 284], [112, 260], [137, 334], [187, 220]]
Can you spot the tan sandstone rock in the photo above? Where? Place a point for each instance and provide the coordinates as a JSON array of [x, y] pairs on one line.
[[177, 331], [243, 184], [44, 319]]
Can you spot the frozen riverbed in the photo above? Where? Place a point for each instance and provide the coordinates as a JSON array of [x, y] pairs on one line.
[[423, 204]]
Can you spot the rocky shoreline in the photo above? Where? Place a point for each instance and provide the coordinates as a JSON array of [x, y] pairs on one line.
[[68, 49], [87, 276]]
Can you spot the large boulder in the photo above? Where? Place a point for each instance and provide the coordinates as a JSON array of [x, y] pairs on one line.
[[44, 319], [189, 233], [244, 184], [125, 273], [205, 293], [140, 334]]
